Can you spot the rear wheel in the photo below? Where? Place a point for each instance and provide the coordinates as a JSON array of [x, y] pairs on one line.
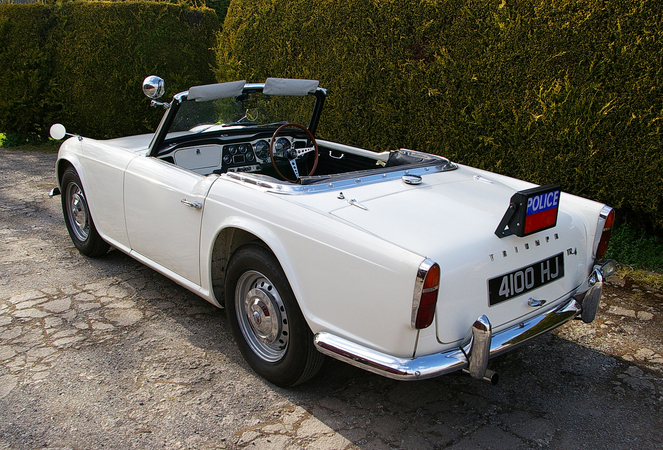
[[77, 216], [266, 321]]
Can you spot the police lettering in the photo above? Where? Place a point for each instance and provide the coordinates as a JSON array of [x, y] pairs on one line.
[[542, 202]]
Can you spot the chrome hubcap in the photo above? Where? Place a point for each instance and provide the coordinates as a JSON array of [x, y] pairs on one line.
[[262, 316], [77, 212]]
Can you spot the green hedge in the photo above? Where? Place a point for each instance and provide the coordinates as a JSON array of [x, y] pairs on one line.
[[552, 91], [104, 50], [87, 61], [26, 67], [219, 6]]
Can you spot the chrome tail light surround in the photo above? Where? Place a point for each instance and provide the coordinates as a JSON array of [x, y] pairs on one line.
[[424, 300], [603, 232]]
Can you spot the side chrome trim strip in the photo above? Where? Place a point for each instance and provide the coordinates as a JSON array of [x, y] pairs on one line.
[[340, 182]]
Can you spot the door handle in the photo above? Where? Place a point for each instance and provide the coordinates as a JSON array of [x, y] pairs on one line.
[[196, 205]]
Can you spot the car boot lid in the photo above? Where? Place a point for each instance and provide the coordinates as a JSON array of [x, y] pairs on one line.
[[451, 218]]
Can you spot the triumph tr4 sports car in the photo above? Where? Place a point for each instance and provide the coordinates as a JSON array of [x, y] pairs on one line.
[[400, 262]]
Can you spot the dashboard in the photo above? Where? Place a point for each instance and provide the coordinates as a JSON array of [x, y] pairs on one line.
[[240, 156]]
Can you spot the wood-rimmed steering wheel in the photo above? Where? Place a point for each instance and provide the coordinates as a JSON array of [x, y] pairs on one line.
[[294, 154]]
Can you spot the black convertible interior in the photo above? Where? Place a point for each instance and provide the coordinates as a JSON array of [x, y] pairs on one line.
[[250, 153]]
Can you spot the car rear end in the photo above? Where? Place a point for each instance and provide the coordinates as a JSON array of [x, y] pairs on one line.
[[481, 291]]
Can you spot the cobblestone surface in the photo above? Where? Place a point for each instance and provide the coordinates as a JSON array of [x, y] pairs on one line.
[[107, 353]]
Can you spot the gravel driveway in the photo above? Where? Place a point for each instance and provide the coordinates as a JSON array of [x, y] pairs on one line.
[[107, 353]]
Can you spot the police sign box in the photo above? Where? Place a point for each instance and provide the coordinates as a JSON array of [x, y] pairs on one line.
[[530, 211]]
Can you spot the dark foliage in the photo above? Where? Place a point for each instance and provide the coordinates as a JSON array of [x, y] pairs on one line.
[[82, 63], [562, 91]]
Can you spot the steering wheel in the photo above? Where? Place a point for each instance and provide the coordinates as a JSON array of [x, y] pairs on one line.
[[294, 154]]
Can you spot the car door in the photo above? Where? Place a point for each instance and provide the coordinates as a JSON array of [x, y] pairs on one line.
[[163, 209]]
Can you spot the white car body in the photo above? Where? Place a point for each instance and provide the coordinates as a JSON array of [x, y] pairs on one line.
[[350, 246]]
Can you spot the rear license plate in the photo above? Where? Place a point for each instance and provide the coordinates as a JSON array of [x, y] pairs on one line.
[[521, 281]]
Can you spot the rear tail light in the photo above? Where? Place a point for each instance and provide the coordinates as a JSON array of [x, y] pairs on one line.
[[606, 220], [425, 294]]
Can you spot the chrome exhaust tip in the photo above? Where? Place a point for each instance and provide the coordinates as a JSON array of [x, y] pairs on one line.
[[490, 376]]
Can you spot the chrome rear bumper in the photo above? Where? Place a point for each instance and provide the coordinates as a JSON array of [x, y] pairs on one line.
[[480, 343]]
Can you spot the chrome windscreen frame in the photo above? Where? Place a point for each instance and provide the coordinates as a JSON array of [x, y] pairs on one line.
[[172, 108]]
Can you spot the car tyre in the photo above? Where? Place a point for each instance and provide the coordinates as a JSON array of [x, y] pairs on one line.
[[268, 326], [77, 216]]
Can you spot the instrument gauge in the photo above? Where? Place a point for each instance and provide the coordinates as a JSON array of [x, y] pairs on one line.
[[281, 147], [262, 150]]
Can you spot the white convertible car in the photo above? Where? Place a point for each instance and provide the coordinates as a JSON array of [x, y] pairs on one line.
[[399, 262]]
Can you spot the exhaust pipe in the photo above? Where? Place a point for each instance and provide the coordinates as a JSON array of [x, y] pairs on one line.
[[490, 376]]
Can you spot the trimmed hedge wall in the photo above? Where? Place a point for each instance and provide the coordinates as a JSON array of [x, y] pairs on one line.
[[552, 91], [86, 62], [26, 67], [219, 6], [105, 50]]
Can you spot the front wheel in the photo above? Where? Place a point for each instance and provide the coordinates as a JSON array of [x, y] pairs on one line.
[[266, 321], [77, 216]]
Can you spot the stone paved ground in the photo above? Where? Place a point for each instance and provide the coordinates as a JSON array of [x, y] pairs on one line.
[[109, 354]]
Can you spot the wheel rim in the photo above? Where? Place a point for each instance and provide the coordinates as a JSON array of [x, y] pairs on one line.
[[262, 316], [77, 212]]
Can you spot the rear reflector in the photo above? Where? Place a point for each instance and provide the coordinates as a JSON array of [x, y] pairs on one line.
[[607, 214], [425, 294]]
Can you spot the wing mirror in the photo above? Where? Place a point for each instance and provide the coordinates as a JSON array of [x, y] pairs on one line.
[[154, 87], [58, 132]]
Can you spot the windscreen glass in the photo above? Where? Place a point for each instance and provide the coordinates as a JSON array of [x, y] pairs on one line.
[[252, 109]]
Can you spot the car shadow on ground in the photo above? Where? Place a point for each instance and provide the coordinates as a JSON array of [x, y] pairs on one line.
[[551, 391]]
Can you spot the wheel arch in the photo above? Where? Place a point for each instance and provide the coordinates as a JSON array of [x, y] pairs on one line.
[[227, 240], [61, 165], [77, 213], [64, 163], [68, 156]]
